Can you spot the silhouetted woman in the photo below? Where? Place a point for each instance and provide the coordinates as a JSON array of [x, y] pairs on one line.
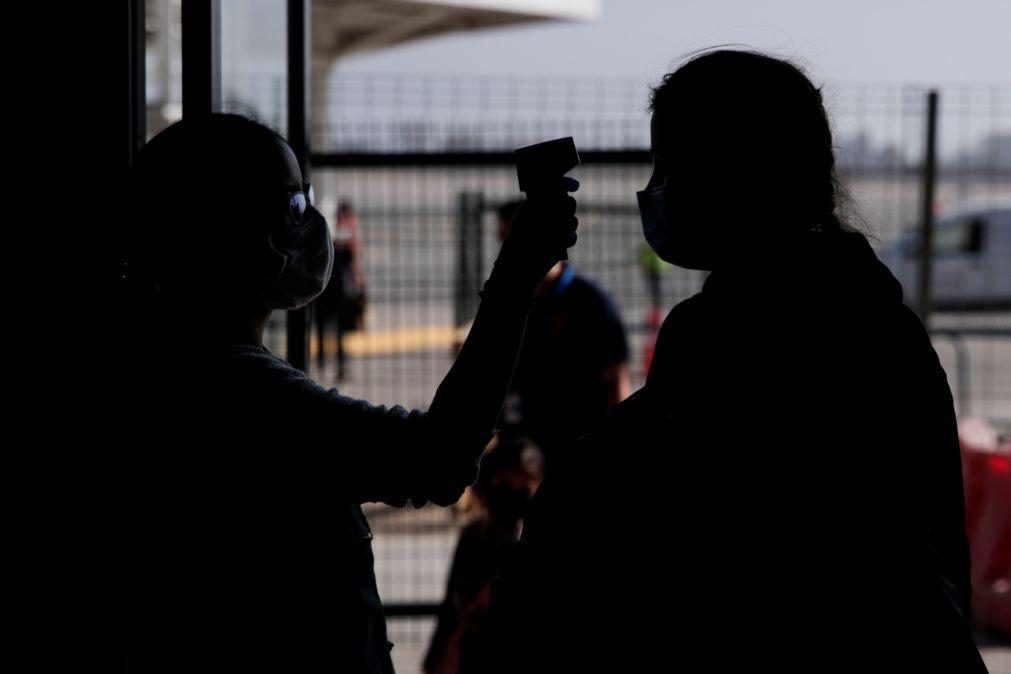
[[784, 494], [250, 551]]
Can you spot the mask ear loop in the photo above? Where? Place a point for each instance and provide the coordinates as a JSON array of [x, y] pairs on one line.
[[274, 260]]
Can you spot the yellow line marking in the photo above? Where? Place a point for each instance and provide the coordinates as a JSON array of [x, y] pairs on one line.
[[379, 342]]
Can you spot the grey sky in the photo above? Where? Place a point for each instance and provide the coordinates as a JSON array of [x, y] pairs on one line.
[[922, 41]]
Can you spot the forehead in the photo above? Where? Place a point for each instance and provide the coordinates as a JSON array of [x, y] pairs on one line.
[[659, 138], [259, 166], [687, 132], [286, 163], [660, 132]]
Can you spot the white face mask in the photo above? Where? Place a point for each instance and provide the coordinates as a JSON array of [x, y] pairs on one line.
[[307, 251]]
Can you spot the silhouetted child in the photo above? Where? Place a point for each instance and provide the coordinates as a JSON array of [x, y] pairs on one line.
[[511, 471]]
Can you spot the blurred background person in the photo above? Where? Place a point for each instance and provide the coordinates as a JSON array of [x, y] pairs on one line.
[[343, 302], [511, 471], [574, 365]]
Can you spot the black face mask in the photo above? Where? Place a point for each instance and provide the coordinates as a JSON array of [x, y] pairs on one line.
[[508, 504]]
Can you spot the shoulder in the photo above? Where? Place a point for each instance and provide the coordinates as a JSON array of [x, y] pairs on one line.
[[255, 375], [685, 314], [257, 363]]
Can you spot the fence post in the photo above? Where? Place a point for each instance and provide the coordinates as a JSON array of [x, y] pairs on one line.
[[470, 255], [201, 57], [298, 37], [929, 178]]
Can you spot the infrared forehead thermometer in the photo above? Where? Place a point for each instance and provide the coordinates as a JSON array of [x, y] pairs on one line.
[[540, 167]]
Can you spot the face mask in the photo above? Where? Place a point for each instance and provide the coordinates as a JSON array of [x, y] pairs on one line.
[[673, 242], [655, 221], [307, 252]]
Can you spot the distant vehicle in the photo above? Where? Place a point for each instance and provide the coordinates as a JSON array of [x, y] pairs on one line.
[[986, 471], [971, 261]]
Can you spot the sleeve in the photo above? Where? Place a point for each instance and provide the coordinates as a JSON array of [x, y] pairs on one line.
[[934, 427], [392, 455]]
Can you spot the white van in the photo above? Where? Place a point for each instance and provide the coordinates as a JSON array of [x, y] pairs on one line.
[[972, 261]]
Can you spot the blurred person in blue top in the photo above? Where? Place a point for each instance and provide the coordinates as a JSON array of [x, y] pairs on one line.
[[574, 363]]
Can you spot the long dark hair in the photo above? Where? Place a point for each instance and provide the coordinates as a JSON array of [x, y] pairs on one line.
[[762, 124]]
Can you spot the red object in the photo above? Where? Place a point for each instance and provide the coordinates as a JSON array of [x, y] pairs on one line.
[[986, 470], [654, 319]]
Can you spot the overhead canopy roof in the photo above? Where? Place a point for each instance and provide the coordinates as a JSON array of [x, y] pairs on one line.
[[342, 27]]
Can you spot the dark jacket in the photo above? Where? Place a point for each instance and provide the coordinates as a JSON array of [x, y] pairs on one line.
[[250, 551], [784, 493]]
